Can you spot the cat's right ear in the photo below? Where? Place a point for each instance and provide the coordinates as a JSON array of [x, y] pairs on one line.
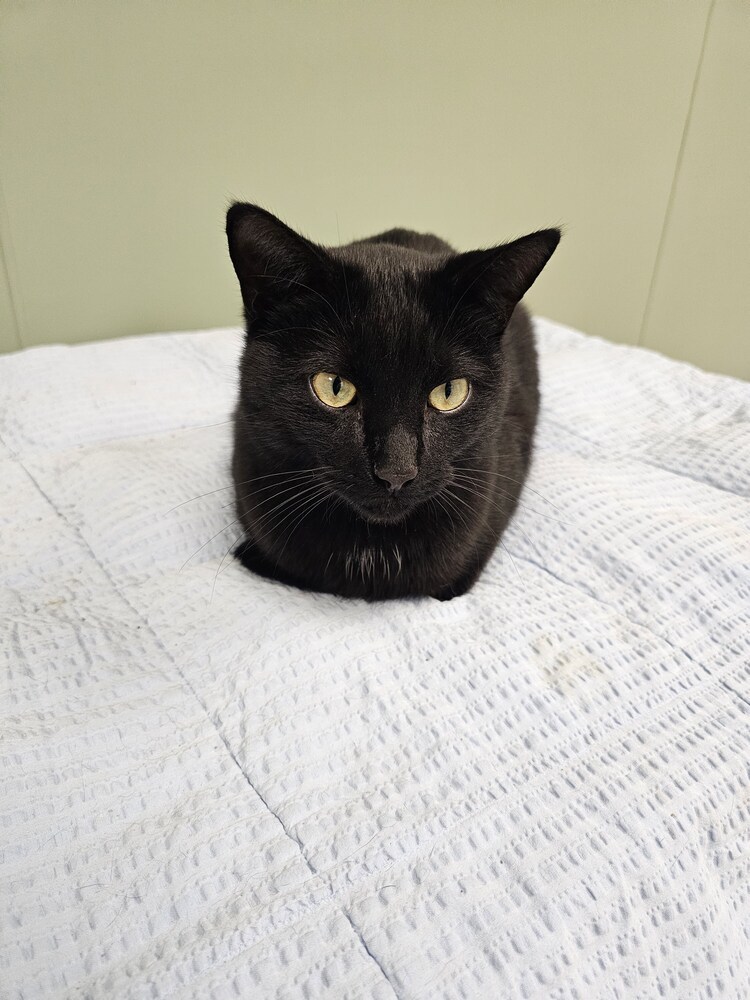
[[270, 259]]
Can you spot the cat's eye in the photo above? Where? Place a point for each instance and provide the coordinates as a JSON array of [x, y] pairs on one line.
[[450, 395], [332, 389]]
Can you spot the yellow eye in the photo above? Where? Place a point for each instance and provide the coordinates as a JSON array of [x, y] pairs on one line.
[[449, 395], [333, 390]]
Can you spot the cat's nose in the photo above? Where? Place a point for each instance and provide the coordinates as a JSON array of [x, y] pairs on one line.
[[395, 476]]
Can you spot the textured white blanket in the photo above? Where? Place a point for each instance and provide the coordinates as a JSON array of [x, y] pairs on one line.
[[216, 786]]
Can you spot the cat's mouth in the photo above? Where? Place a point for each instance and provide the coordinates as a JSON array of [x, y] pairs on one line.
[[388, 509]]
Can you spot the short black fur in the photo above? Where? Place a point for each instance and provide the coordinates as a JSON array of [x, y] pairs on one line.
[[397, 315]]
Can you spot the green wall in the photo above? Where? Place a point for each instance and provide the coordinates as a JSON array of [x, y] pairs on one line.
[[127, 127]]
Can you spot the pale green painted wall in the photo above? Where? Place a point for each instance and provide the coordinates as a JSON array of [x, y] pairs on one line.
[[126, 129], [10, 339], [700, 306]]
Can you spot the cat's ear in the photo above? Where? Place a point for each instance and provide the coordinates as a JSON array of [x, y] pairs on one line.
[[270, 259], [505, 273]]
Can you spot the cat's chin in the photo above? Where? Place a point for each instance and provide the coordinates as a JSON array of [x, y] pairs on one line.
[[373, 517], [387, 512]]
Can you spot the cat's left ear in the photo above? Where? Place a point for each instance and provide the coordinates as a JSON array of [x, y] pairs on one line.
[[270, 259], [504, 273]]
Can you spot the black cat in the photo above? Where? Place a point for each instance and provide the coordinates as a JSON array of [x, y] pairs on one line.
[[387, 403]]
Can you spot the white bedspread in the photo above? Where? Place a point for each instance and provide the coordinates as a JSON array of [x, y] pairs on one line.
[[216, 786]]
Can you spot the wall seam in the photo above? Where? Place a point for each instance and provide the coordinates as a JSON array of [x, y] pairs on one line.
[[4, 254], [675, 177]]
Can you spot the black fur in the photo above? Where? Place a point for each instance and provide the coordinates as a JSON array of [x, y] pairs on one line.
[[397, 315]]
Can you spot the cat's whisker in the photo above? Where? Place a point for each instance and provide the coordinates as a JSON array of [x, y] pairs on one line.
[[503, 511], [200, 496], [267, 518], [534, 546], [501, 475], [232, 545], [222, 489], [297, 515], [290, 513], [483, 498], [288, 489], [305, 513], [270, 487], [288, 472], [445, 495], [511, 559], [338, 502], [483, 495], [505, 547], [458, 480], [201, 427], [440, 505], [463, 501], [236, 520], [240, 538], [525, 535], [225, 528]]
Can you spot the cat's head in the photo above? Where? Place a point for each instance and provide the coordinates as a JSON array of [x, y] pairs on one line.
[[380, 365]]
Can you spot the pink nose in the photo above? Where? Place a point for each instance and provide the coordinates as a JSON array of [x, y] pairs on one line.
[[395, 477]]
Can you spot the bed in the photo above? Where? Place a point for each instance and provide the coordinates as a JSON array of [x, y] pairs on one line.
[[215, 786]]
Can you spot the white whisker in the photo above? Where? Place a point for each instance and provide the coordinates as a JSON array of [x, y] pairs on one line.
[[305, 513], [296, 502], [222, 489], [501, 475], [472, 488], [225, 528]]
